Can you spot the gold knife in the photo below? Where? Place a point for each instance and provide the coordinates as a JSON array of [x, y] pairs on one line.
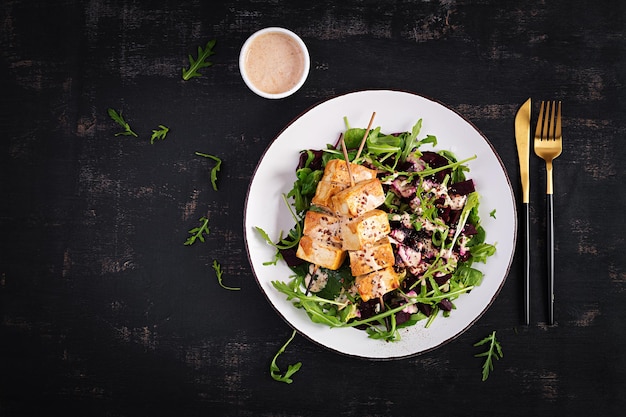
[[522, 137]]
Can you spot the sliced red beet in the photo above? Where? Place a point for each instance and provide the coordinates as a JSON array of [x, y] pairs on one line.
[[434, 160], [315, 164], [446, 305], [425, 309], [462, 188], [289, 255], [469, 229]]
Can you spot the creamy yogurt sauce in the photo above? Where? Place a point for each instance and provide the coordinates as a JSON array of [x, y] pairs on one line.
[[274, 62]]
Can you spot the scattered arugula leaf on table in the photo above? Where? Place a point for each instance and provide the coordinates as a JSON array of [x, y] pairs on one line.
[[200, 62], [494, 352], [493, 213], [218, 272], [216, 168], [292, 369], [159, 134], [117, 118], [198, 232]]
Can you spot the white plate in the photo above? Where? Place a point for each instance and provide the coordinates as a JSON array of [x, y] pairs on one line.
[[395, 112]]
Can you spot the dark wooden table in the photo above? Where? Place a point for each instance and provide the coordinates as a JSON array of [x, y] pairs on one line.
[[104, 311]]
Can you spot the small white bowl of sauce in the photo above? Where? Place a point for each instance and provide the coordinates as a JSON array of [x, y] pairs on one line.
[[274, 62]]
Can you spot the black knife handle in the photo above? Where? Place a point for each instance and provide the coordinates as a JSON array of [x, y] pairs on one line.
[[526, 264]]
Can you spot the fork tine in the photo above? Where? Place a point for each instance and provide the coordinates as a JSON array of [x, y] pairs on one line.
[[538, 129], [549, 122], [557, 130]]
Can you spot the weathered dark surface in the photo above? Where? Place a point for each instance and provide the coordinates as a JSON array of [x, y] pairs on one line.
[[106, 313]]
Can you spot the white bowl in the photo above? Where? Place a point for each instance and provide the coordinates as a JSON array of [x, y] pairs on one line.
[[396, 111], [274, 62]]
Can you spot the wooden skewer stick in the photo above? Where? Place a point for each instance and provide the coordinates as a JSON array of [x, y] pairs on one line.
[[345, 156], [367, 133], [313, 273]]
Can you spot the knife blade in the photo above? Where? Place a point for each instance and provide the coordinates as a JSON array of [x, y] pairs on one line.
[[522, 138]]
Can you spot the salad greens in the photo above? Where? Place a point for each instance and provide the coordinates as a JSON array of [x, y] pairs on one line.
[[218, 272], [436, 235], [198, 232], [494, 352], [117, 118], [292, 369], [159, 133], [215, 169], [196, 64]]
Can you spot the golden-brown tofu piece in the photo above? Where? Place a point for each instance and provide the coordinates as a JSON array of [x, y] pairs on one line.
[[325, 191], [377, 283], [322, 226], [336, 170], [355, 201], [364, 230], [372, 257], [336, 179], [320, 253]]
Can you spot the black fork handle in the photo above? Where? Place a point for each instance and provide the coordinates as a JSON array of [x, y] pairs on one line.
[[550, 257]]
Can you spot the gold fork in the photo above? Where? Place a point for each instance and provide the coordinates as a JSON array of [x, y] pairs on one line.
[[548, 146]]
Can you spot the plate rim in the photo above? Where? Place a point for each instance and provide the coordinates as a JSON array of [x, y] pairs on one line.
[[448, 339]]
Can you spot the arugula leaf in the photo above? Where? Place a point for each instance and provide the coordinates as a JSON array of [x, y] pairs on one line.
[[482, 251], [494, 352], [468, 276], [218, 272], [198, 232], [159, 134], [322, 310], [117, 117], [492, 213], [216, 168], [283, 243], [458, 172], [304, 187], [292, 369], [353, 136], [409, 142], [386, 330], [337, 279], [384, 144], [200, 62]]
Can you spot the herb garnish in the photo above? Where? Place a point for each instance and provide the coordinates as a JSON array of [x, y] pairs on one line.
[[218, 272], [198, 232], [159, 134], [494, 352], [216, 168], [200, 62], [292, 369], [117, 117]]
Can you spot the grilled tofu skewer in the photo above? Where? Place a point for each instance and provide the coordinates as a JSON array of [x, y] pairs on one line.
[[350, 194]]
